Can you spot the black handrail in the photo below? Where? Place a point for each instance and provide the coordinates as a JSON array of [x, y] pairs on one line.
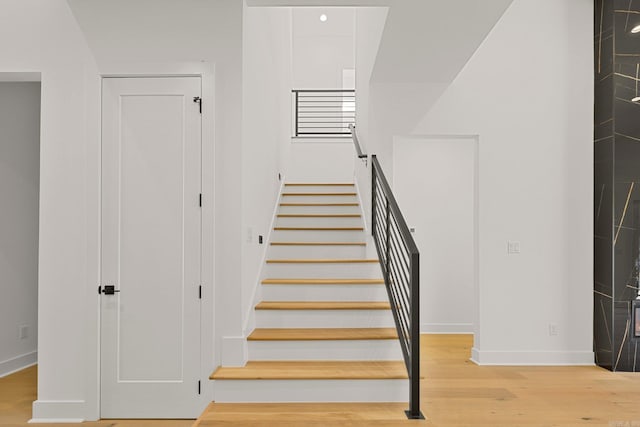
[[356, 142], [400, 262], [323, 112]]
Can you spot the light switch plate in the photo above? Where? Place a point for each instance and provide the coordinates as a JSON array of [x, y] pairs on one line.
[[513, 247]]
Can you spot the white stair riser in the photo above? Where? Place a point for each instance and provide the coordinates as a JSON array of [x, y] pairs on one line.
[[319, 199], [226, 391], [319, 188], [307, 252], [324, 293], [319, 209], [324, 318], [318, 236], [328, 270], [325, 350], [319, 222]]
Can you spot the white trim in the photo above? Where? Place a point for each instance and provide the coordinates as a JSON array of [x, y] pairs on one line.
[[532, 358], [446, 328], [18, 363], [20, 76], [57, 411], [235, 351], [256, 297]]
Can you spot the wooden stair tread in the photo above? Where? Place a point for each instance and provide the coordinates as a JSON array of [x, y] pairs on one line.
[[319, 194], [313, 370], [320, 204], [319, 215], [318, 243], [319, 228], [323, 305], [319, 184], [322, 261], [331, 281], [312, 414], [322, 334]]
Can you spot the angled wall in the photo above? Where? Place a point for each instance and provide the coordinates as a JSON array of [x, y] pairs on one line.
[[526, 94]]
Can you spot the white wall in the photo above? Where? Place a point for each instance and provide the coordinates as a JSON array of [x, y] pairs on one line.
[[434, 184], [266, 131], [19, 182], [320, 54], [530, 98], [42, 35], [156, 32]]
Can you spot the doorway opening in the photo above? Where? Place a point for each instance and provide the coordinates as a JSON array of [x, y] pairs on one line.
[[19, 219]]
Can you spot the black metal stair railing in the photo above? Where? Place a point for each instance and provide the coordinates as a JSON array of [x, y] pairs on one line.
[[400, 261], [323, 112]]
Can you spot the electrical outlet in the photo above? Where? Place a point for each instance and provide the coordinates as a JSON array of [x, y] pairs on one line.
[[23, 332], [513, 247], [553, 329]]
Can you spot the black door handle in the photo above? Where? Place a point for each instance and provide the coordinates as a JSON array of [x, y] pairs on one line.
[[108, 290]]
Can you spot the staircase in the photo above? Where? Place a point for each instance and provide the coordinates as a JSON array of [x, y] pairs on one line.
[[324, 330]]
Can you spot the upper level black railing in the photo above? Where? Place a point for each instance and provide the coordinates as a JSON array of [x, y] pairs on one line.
[[323, 112], [400, 262]]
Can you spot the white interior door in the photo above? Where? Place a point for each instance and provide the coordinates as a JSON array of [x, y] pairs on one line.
[[151, 247]]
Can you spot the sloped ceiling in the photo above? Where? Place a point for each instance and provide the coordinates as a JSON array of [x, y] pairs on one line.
[[424, 41]]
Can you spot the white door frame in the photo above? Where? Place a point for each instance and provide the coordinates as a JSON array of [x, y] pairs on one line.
[[206, 72]]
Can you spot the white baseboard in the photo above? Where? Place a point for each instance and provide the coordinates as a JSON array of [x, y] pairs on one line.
[[18, 363], [57, 411], [234, 351], [535, 358], [446, 328]]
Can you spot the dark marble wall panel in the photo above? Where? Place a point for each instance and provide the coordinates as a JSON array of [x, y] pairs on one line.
[[617, 182], [603, 217], [603, 182], [602, 332]]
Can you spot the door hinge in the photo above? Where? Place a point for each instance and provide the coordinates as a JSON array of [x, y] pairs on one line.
[[199, 101], [200, 200], [199, 388], [200, 292]]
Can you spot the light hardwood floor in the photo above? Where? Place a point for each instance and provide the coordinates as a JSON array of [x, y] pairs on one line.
[[18, 391], [455, 393]]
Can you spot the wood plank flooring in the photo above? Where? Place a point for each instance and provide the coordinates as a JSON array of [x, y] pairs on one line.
[[458, 393], [455, 393], [18, 391]]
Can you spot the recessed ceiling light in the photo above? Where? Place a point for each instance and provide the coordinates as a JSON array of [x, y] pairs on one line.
[[636, 99], [323, 18], [635, 29]]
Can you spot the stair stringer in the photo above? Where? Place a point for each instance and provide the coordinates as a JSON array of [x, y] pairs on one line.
[[250, 316]]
